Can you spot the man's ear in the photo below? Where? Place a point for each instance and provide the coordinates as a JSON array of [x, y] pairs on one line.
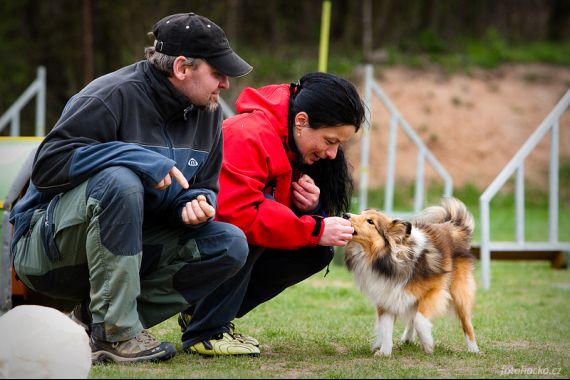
[[179, 69]]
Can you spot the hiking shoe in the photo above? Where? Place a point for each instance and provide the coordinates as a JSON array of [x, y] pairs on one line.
[[143, 347], [185, 318], [81, 315], [221, 345]]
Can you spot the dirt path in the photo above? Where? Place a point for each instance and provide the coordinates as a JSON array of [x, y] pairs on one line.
[[473, 124]]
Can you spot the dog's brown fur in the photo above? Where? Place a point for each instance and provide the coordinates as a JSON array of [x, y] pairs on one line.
[[412, 270]]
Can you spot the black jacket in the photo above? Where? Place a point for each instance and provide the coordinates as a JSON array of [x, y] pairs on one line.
[[133, 117]]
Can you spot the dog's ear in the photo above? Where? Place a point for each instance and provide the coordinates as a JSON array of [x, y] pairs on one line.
[[400, 230]]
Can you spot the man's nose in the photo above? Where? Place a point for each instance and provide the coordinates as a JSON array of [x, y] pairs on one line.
[[225, 83]]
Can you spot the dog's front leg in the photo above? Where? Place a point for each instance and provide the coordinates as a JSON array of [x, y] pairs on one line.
[[384, 330], [410, 332], [424, 327]]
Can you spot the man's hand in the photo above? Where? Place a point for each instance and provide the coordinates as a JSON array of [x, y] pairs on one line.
[[305, 194], [338, 232], [167, 181], [197, 211]]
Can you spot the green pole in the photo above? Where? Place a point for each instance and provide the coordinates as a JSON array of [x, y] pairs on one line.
[[325, 29]]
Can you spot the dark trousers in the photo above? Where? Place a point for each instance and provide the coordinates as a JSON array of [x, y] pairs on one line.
[[266, 273]]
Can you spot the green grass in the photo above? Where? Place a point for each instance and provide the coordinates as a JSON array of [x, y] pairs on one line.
[[464, 53], [322, 328]]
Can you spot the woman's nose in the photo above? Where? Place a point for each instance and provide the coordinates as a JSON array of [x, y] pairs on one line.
[[331, 152]]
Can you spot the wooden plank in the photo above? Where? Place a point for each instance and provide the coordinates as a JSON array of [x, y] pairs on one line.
[[557, 258]]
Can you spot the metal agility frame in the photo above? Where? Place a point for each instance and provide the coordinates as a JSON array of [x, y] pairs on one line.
[[550, 124], [424, 154]]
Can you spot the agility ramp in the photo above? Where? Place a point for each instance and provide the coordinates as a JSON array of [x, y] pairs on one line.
[[16, 156]]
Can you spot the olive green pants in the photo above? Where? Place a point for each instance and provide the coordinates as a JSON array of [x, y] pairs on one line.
[[90, 245]]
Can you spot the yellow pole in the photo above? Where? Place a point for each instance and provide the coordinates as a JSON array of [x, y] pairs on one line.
[[325, 29]]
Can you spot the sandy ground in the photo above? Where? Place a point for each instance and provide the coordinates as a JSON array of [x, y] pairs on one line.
[[473, 124]]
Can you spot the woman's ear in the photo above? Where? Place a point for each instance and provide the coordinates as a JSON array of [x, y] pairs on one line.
[[301, 119]]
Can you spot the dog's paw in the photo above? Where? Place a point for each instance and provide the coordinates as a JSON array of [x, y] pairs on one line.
[[383, 352], [472, 346], [428, 348], [473, 349]]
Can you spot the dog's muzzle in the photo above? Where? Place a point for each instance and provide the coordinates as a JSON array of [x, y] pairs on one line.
[[347, 216]]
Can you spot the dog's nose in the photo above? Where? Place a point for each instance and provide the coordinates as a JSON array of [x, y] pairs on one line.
[[346, 215]]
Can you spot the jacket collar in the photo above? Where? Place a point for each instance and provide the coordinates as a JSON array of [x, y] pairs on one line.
[[168, 100]]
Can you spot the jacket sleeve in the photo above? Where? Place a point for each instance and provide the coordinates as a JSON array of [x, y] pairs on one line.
[[84, 142], [242, 201], [205, 183]]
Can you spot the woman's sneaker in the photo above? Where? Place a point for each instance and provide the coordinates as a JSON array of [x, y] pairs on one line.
[[223, 345], [143, 347], [244, 338], [185, 318]]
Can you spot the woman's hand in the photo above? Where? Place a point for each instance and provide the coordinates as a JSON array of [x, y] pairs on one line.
[[338, 232], [305, 194]]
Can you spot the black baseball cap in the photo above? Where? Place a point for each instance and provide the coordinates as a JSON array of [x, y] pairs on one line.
[[195, 36]]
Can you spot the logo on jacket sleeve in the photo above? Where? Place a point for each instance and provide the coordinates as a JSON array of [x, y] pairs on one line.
[[192, 162]]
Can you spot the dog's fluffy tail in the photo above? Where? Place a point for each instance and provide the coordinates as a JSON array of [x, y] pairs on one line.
[[450, 210]]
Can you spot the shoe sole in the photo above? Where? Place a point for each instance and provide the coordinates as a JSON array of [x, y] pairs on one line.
[[102, 356], [251, 355]]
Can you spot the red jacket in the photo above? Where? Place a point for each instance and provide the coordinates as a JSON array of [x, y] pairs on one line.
[[257, 164]]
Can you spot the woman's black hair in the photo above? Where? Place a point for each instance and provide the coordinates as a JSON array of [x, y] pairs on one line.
[[329, 101]]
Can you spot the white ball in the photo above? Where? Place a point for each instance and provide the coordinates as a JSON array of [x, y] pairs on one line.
[[41, 342]]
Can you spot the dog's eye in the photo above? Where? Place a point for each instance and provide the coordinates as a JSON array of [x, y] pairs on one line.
[[370, 221]]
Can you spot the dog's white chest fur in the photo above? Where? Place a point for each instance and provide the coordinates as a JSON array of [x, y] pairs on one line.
[[382, 291]]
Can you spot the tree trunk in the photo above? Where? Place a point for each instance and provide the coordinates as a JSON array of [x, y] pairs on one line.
[[88, 71]]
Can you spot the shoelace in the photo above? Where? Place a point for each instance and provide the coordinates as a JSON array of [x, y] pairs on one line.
[[233, 333], [144, 337]]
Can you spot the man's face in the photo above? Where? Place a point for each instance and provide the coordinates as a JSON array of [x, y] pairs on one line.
[[202, 85]]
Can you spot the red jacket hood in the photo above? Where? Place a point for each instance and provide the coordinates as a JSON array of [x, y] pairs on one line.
[[272, 100]]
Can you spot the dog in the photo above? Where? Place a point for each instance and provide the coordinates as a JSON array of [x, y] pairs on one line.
[[415, 270]]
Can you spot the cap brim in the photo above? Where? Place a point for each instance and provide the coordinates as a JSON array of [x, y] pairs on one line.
[[230, 64]]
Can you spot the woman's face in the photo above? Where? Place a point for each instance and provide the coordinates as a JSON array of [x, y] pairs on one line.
[[321, 143]]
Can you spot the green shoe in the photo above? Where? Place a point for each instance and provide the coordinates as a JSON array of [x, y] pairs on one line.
[[185, 318], [221, 345]]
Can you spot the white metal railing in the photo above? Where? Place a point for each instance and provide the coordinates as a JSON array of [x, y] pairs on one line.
[[12, 115], [550, 123], [226, 109], [424, 154]]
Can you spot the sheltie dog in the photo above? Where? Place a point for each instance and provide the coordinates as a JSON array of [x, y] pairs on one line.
[[413, 270]]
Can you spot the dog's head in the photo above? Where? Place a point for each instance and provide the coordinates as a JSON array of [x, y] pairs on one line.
[[377, 233]]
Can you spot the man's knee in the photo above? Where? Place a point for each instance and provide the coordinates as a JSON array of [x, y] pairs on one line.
[[116, 197], [116, 184]]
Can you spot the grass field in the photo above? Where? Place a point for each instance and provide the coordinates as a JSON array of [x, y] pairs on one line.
[[322, 328]]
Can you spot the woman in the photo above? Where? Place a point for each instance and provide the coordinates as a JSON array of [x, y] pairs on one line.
[[284, 173]]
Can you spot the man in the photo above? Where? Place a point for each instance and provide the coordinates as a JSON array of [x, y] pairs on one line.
[[119, 211]]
